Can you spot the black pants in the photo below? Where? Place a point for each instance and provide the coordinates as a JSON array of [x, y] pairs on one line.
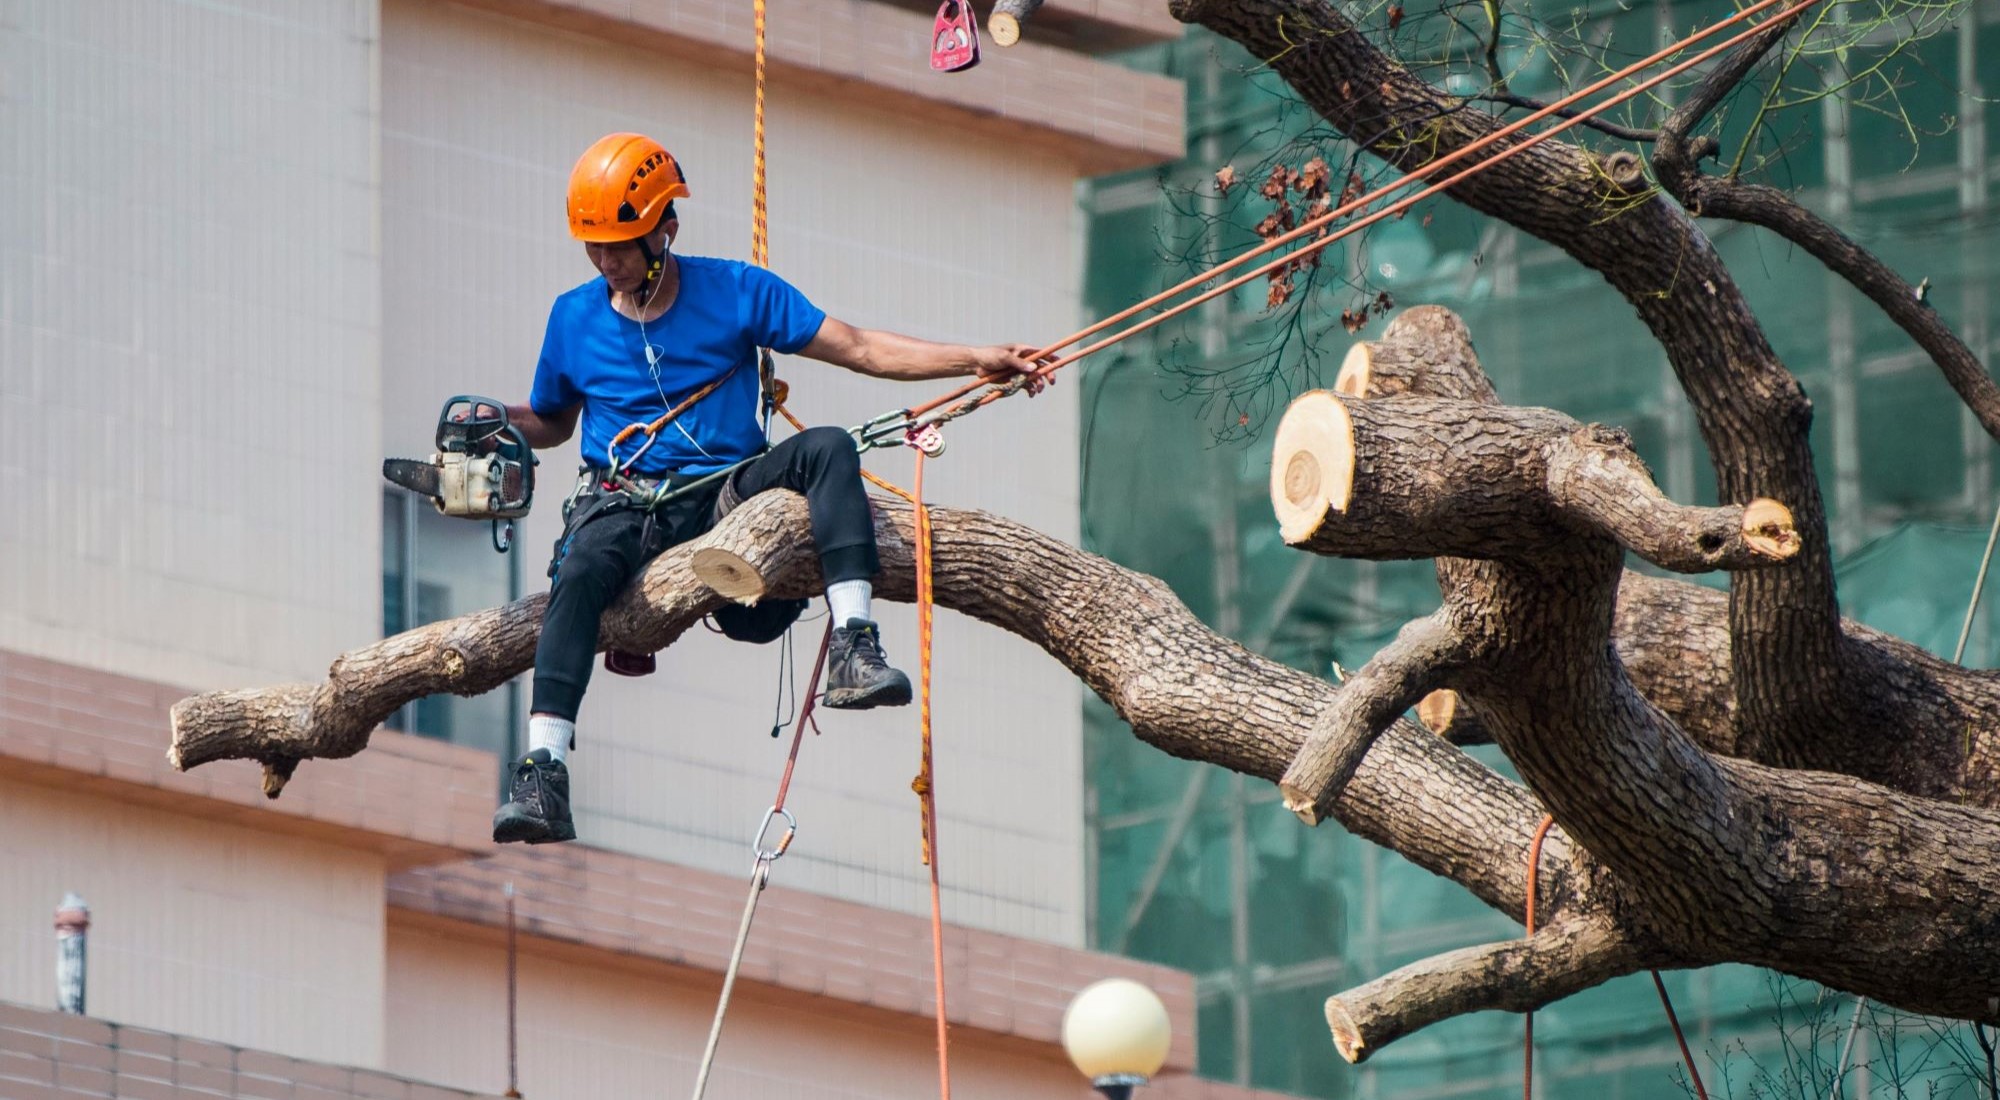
[[603, 548]]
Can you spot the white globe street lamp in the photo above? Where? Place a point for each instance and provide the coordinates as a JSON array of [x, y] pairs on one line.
[[1117, 1033]]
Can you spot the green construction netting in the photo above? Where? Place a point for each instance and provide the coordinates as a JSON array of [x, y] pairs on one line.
[[1199, 869]]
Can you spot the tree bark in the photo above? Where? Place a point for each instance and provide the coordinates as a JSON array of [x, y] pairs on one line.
[[1765, 860], [1934, 727]]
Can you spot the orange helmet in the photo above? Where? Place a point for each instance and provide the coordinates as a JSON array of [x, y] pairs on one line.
[[620, 187]]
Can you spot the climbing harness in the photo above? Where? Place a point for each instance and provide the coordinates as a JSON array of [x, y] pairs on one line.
[[483, 468], [1528, 1042]]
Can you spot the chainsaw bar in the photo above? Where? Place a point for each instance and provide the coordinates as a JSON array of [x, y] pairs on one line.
[[413, 474]]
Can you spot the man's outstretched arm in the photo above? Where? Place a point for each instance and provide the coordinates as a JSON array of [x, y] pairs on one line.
[[544, 431], [908, 359]]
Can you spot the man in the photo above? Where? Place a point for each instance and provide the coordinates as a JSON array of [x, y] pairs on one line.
[[653, 332]]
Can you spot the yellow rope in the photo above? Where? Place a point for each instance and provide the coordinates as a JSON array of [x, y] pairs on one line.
[[760, 232], [760, 254]]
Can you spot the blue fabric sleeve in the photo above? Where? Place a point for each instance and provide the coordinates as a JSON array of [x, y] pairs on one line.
[[777, 315], [554, 391]]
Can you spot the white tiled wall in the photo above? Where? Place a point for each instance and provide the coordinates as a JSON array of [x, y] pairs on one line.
[[189, 280], [205, 929], [883, 222], [589, 1033]]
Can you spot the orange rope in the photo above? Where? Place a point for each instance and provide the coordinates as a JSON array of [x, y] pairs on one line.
[[1528, 1045], [1003, 389], [760, 231], [926, 782], [1528, 1053], [1668, 1004], [760, 254]]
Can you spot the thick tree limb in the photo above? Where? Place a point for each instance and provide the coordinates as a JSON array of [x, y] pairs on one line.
[[1724, 851], [1184, 689], [1420, 477], [1926, 727], [1515, 976], [1703, 881]]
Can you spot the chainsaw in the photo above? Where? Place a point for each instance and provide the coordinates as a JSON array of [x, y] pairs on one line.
[[483, 468]]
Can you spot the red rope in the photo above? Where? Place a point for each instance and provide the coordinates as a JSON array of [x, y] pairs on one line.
[[1528, 1044], [1528, 1052], [805, 718], [1687, 1057]]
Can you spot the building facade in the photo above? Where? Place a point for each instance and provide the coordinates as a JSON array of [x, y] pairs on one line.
[[246, 250]]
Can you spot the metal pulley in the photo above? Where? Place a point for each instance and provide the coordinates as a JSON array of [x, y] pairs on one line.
[[954, 37]]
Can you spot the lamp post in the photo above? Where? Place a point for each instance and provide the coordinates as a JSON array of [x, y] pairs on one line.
[[72, 921], [1117, 1033]]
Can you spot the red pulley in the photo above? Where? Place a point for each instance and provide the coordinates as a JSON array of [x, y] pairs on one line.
[[954, 37]]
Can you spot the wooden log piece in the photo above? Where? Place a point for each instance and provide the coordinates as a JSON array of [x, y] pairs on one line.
[[1004, 22], [1426, 351]]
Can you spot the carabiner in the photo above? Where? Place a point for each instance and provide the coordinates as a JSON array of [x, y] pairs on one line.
[[771, 854]]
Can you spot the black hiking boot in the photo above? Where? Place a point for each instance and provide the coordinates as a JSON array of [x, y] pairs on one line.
[[539, 811], [857, 675]]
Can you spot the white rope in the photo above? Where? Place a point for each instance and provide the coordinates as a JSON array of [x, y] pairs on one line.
[[759, 877]]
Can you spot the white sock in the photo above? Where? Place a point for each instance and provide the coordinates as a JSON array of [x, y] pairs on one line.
[[546, 731], [849, 600]]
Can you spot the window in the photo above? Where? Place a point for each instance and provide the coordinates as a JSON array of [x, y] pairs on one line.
[[435, 567]]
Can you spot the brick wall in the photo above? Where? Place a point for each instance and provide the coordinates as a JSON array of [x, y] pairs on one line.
[[47, 1055], [414, 799], [804, 943]]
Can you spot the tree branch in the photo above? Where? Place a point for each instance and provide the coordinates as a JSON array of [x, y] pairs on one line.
[[1599, 485], [1514, 976], [1595, 122], [1677, 161], [1421, 477], [1183, 688], [1928, 727], [1786, 637], [1369, 702]]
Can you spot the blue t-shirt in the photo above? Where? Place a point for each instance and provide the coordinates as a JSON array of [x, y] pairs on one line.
[[724, 312]]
